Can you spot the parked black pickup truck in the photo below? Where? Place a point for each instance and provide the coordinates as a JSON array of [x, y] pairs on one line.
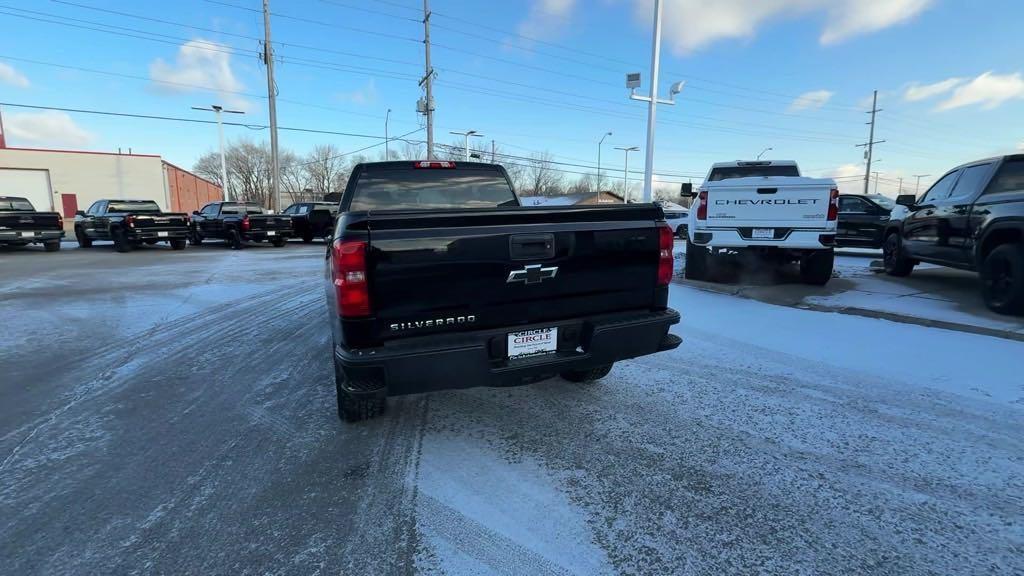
[[21, 225], [972, 218], [237, 223], [129, 224], [312, 219], [437, 279], [863, 220]]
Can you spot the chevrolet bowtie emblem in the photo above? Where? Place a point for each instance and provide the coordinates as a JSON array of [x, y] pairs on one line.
[[532, 274]]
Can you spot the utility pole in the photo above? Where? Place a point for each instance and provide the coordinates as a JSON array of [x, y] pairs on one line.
[[625, 170], [268, 59], [387, 154], [599, 143], [466, 136], [917, 187], [876, 183], [871, 141], [428, 81], [3, 141], [220, 135], [901, 185], [492, 150]]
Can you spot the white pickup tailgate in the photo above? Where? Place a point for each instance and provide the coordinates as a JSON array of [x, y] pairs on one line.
[[780, 201]]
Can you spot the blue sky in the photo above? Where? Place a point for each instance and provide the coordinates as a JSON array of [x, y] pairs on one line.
[[535, 75]]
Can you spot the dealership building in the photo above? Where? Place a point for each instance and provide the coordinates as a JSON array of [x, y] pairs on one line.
[[65, 181]]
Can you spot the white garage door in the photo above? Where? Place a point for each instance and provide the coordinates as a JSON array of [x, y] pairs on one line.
[[31, 184]]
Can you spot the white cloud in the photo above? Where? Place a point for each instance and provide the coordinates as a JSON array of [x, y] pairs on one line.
[[362, 96], [845, 182], [547, 18], [8, 75], [988, 91], [693, 24], [811, 100], [1020, 146], [46, 128], [916, 91], [200, 65]]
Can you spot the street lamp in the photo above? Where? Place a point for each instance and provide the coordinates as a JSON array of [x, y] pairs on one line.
[[599, 142], [633, 82], [387, 153], [763, 151], [625, 170], [220, 134], [466, 136], [917, 187]]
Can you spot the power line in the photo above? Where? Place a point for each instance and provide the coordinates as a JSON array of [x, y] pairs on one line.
[[318, 22]]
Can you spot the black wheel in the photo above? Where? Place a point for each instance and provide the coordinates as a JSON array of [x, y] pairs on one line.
[[1002, 279], [353, 408], [895, 260], [234, 240], [816, 267], [178, 244], [121, 244], [279, 242], [195, 238], [151, 241], [696, 262], [51, 246], [307, 237], [83, 240], [587, 375], [681, 231]]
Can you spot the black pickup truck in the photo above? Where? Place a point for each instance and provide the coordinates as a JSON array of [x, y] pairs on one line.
[[312, 219], [239, 222], [21, 225], [129, 224], [437, 278], [973, 219]]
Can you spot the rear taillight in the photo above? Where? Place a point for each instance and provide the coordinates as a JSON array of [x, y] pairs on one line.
[[349, 275], [129, 221], [60, 221], [833, 205], [246, 224], [430, 164], [702, 205], [664, 254]]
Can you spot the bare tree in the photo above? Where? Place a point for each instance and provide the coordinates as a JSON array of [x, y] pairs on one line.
[[249, 171], [325, 169], [208, 166], [585, 184], [541, 179], [295, 178]]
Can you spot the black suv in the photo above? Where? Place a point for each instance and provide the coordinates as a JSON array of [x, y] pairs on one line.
[[972, 218]]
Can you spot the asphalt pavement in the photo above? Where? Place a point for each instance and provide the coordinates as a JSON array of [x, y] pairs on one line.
[[173, 412]]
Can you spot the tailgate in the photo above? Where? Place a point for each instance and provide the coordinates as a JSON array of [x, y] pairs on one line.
[[29, 221], [269, 222], [159, 222], [506, 267], [781, 202]]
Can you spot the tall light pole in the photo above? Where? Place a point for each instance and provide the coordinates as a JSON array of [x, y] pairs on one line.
[[625, 170], [387, 154], [876, 173], [466, 136], [268, 60], [763, 151], [218, 110], [633, 82], [917, 187], [427, 103], [599, 143]]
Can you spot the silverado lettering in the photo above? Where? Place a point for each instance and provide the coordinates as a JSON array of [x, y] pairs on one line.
[[451, 321]]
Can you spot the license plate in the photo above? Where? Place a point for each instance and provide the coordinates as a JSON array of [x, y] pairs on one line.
[[161, 234], [28, 234], [531, 342], [764, 233], [271, 233]]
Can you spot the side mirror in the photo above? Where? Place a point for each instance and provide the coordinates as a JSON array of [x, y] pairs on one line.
[[907, 200], [195, 212], [80, 213], [686, 190]]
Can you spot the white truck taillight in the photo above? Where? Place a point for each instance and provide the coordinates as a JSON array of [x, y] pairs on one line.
[[129, 221], [246, 224], [833, 205], [665, 241], [349, 276], [702, 205]]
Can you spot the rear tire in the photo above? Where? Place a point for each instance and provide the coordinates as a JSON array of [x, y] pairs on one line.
[[1002, 279], [279, 242], [353, 408], [51, 246], [234, 240], [696, 262], [121, 244], [590, 375], [816, 267], [307, 237], [178, 244], [895, 260], [83, 240], [195, 238], [681, 231]]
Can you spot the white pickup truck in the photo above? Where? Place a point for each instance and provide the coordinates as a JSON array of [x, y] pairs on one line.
[[767, 208]]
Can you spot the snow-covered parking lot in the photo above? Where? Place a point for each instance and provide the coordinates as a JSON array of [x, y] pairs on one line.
[[173, 412]]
